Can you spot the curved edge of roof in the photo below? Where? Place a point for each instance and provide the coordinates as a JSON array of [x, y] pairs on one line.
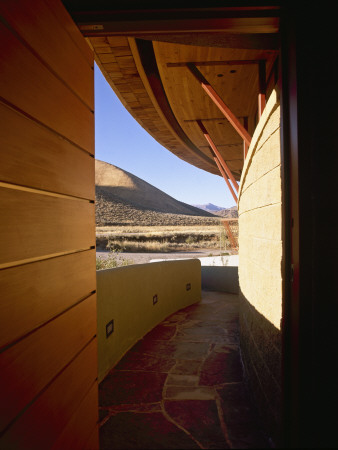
[[122, 62]]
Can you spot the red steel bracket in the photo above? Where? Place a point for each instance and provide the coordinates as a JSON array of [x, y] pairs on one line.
[[220, 103]]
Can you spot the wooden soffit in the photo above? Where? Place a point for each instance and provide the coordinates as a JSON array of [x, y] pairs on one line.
[[143, 54]]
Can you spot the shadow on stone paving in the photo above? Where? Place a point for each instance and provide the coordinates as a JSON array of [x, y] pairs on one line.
[[181, 386]]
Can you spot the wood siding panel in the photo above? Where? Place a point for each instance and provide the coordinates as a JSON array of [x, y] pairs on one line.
[[41, 30], [37, 157], [79, 430], [40, 425], [48, 347], [28, 366], [27, 84], [35, 225], [73, 32], [93, 441], [28, 300]]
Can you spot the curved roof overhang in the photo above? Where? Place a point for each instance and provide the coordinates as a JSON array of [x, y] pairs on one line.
[[159, 61]]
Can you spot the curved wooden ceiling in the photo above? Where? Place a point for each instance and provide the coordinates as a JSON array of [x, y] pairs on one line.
[[145, 62], [236, 83]]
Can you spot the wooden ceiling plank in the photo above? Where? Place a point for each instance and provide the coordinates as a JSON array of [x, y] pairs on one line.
[[231, 62], [220, 103], [146, 63]]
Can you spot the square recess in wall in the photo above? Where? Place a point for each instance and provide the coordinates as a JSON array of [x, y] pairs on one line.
[[109, 328]]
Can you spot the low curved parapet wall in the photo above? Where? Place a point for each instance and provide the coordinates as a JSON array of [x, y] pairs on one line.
[[126, 296], [261, 266]]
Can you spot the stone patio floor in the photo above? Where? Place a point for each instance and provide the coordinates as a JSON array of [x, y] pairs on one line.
[[181, 386]]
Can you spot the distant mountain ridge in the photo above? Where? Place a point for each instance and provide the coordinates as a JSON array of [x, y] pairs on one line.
[[123, 198], [219, 210], [209, 207]]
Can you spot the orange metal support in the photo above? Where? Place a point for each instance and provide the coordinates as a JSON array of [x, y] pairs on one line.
[[220, 103], [217, 153], [245, 149], [230, 235], [262, 87], [226, 179], [245, 145]]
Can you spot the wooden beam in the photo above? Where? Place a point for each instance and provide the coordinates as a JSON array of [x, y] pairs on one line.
[[217, 154], [106, 20], [220, 103]]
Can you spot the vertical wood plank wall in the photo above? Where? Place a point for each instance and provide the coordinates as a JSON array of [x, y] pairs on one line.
[[48, 349]]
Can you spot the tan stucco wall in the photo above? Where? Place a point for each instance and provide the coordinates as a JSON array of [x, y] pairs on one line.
[[260, 265], [125, 295]]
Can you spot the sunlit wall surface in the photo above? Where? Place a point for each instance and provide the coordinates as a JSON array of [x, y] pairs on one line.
[[260, 265]]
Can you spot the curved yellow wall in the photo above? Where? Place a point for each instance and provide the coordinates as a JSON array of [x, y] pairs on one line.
[[125, 295], [260, 264]]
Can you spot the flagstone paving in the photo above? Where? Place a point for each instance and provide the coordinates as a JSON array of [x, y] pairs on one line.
[[181, 386]]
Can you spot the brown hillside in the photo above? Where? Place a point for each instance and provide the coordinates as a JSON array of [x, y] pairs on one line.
[[228, 212], [123, 198]]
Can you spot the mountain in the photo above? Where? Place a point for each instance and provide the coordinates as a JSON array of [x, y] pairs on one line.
[[219, 210], [228, 212], [123, 198], [209, 207]]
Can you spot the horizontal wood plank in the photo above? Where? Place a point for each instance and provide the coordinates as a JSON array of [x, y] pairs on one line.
[[38, 158], [40, 425], [41, 30], [35, 225], [34, 293], [74, 33], [28, 366], [27, 84], [79, 430]]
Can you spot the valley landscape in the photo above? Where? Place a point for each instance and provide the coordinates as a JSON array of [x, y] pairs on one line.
[[134, 218]]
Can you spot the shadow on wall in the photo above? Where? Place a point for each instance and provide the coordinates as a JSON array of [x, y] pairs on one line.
[[260, 343], [220, 278], [132, 300]]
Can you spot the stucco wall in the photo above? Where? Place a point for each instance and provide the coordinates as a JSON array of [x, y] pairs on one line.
[[125, 295], [260, 266]]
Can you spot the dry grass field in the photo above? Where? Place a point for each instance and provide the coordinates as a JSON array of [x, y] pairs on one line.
[[133, 216], [162, 238]]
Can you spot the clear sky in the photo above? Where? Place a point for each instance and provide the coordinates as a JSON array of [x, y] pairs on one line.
[[121, 141]]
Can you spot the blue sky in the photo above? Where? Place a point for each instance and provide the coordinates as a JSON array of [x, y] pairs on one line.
[[121, 141]]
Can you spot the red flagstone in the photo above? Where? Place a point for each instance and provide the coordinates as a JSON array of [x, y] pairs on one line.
[[144, 362], [143, 431], [222, 368], [201, 419], [187, 367], [161, 332], [181, 385], [131, 387]]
